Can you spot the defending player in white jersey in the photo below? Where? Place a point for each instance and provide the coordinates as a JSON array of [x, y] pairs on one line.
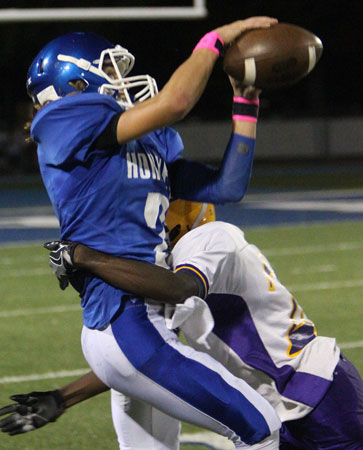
[[260, 333]]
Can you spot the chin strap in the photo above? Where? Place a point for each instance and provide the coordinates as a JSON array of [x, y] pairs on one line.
[[82, 64]]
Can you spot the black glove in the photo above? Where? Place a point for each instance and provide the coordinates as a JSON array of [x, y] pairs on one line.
[[32, 411], [61, 260]]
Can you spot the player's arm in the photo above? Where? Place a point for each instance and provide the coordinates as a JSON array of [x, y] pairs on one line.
[[82, 389], [185, 86], [37, 409], [192, 180], [137, 277]]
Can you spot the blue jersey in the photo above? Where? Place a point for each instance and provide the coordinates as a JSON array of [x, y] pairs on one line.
[[111, 200]]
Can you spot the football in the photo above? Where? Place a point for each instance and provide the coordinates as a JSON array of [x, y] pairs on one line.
[[273, 58]]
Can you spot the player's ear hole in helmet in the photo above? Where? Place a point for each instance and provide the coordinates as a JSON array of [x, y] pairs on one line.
[[102, 66], [184, 216], [79, 85]]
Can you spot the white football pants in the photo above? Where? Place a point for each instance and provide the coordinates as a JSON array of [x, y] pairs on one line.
[[138, 356], [140, 426]]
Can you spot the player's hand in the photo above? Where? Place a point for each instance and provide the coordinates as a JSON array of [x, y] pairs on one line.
[[61, 260], [231, 31], [31, 411], [241, 90]]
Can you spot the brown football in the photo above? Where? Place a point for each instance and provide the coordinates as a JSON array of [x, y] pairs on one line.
[[273, 58]]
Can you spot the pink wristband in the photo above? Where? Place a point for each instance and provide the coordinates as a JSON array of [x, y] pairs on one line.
[[244, 118], [253, 101], [212, 41], [245, 109]]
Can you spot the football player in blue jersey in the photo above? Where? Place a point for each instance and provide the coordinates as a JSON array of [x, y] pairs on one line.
[[260, 333], [110, 163]]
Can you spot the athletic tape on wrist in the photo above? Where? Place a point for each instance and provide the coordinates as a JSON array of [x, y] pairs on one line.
[[245, 109], [212, 41]]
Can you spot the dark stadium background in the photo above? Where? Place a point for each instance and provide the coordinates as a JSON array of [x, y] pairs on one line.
[[333, 89]]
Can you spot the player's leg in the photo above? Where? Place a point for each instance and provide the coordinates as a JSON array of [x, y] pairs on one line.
[[337, 421], [139, 356], [139, 425]]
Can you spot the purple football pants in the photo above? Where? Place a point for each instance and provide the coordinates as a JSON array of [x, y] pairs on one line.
[[337, 421]]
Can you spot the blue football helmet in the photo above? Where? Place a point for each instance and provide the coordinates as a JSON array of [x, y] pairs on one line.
[[86, 56]]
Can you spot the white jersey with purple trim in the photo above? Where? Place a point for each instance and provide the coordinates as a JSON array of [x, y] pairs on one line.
[[261, 333]]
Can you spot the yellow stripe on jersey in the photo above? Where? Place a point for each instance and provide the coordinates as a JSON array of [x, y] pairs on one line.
[[269, 274], [195, 271]]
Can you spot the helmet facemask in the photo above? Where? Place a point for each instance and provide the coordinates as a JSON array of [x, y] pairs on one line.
[[131, 90], [113, 66]]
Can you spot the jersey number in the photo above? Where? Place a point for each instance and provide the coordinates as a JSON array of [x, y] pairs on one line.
[[156, 206]]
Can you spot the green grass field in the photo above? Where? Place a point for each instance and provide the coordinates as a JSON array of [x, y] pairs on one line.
[[40, 325]]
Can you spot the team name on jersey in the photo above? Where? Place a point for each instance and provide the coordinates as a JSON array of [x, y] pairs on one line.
[[146, 165]]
